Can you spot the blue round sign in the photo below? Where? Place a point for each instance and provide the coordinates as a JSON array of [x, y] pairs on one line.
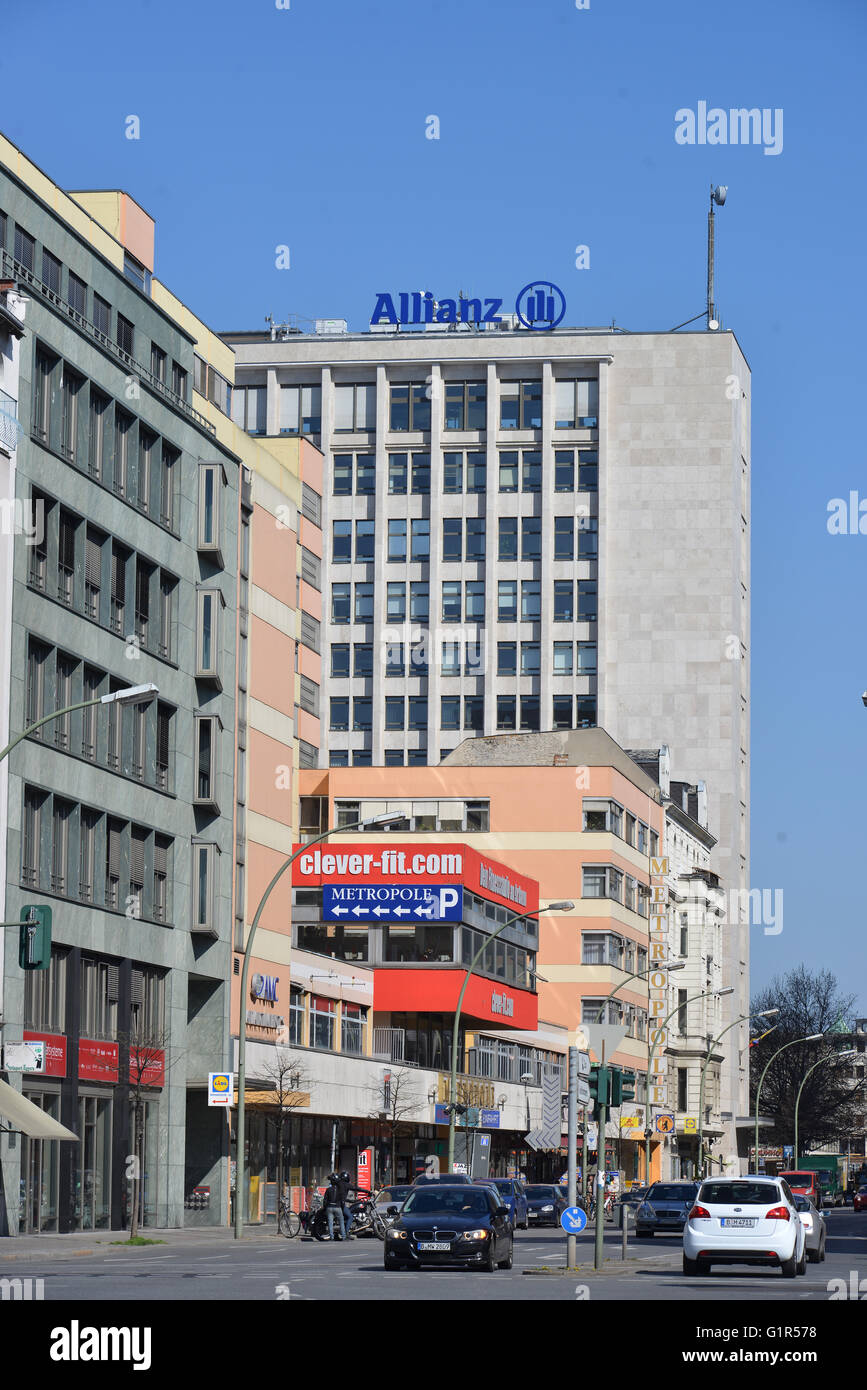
[[540, 305], [573, 1220]]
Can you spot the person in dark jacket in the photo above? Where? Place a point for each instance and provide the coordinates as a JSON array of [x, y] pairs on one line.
[[333, 1203], [345, 1187]]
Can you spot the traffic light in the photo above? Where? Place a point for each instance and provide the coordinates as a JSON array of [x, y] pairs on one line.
[[34, 940], [615, 1096], [627, 1090], [599, 1082]]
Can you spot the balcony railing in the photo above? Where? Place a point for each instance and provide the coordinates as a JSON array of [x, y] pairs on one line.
[[17, 270], [9, 426]]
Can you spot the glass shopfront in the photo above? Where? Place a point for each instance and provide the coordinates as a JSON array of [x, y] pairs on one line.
[[40, 1171], [91, 1175]]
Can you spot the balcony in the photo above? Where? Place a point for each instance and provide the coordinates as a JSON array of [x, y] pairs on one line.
[[13, 269], [9, 426]]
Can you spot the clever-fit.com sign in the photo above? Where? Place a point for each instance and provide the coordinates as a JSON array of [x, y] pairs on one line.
[[425, 867]]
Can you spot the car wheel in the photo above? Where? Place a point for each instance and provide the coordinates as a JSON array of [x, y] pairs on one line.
[[389, 1262], [489, 1265], [814, 1256], [788, 1268], [822, 1253], [510, 1258], [802, 1263], [702, 1267], [690, 1266]]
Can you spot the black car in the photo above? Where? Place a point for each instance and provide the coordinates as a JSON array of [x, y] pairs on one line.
[[665, 1207], [546, 1202], [443, 1225]]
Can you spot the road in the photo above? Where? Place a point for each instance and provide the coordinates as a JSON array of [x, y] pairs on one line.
[[267, 1267]]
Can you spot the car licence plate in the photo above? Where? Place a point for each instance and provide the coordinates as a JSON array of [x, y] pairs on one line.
[[742, 1221], [434, 1245]]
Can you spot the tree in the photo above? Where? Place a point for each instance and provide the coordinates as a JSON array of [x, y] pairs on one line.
[[808, 1002], [147, 1052], [290, 1086], [392, 1102]]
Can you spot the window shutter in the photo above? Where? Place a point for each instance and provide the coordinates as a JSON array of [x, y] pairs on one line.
[[93, 565], [137, 856], [136, 987], [161, 856], [112, 983], [114, 849], [118, 576], [163, 737]]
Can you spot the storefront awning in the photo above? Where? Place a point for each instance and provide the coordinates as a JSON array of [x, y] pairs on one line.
[[27, 1117]]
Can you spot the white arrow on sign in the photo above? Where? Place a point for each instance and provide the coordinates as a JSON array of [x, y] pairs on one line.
[[361, 912], [424, 911], [338, 910], [401, 911], [381, 911]]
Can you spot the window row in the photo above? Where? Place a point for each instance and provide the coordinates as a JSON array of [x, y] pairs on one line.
[[356, 603], [605, 881], [446, 816], [91, 573], [356, 473], [45, 993], [602, 815], [569, 658], [617, 1012], [99, 437], [464, 539], [392, 757], [135, 740], [212, 385], [86, 854], [329, 1024]]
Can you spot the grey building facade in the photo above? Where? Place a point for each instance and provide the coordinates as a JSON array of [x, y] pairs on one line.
[[120, 818], [532, 530]]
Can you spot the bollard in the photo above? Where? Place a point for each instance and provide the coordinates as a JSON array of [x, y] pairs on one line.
[[624, 1228]]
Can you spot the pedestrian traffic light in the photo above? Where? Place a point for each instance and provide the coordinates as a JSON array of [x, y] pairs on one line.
[[34, 941], [628, 1085], [599, 1084], [615, 1089]]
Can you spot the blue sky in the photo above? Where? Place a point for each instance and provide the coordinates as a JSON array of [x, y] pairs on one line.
[[306, 127]]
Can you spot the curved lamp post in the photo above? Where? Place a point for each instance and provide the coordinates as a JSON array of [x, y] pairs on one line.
[[745, 1018], [130, 695], [453, 1083], [375, 824], [705, 994], [849, 1052], [814, 1037]]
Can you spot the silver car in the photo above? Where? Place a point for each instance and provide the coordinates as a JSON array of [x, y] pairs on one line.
[[815, 1229]]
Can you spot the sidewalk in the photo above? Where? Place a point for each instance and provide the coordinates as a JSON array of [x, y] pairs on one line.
[[48, 1247]]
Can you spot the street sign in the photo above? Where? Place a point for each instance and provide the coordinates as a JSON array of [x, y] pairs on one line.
[[690, 1124], [665, 1124], [219, 1088], [788, 1153], [583, 1093], [609, 1034], [583, 1063], [573, 1220], [409, 903]]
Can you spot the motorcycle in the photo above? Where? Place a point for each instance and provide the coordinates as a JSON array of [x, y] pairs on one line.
[[366, 1219]]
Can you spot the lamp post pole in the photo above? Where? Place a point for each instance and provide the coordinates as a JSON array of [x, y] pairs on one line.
[[849, 1052], [453, 1082], [242, 1031], [745, 1018], [705, 993], [131, 695], [814, 1037]]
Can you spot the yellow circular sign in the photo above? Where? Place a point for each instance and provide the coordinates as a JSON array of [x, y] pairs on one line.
[[689, 1126], [664, 1124], [221, 1083]]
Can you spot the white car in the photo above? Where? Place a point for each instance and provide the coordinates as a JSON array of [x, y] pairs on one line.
[[751, 1220]]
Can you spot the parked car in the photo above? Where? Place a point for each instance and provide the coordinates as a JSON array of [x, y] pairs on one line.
[[459, 1179], [633, 1197], [546, 1203], [859, 1201], [664, 1207], [814, 1224], [513, 1195], [441, 1224], [806, 1182], [751, 1220]]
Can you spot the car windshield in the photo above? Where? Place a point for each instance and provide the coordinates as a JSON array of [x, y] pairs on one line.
[[504, 1185], [447, 1203], [738, 1193], [547, 1192], [801, 1203], [670, 1192], [393, 1194], [799, 1179]]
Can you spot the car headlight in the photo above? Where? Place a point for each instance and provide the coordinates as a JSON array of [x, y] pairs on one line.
[[475, 1235], [550, 1208], [646, 1210], [395, 1235]]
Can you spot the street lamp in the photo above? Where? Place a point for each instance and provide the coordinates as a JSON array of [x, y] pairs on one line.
[[377, 823], [453, 1083], [814, 1037], [849, 1052], [764, 1013], [718, 196], [130, 695], [705, 993]]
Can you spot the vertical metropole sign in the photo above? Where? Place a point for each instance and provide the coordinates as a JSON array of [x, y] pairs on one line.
[[658, 982]]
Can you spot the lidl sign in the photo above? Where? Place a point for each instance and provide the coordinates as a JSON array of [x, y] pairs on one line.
[[219, 1088]]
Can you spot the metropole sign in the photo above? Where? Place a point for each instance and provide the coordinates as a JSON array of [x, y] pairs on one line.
[[657, 980]]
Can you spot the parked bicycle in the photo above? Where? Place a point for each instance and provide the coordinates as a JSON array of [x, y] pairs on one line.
[[312, 1222], [289, 1222]]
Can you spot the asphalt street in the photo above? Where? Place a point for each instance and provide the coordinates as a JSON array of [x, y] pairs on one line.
[[268, 1267]]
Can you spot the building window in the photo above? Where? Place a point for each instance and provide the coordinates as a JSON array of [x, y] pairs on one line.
[[507, 600], [396, 540], [507, 658], [207, 729], [339, 660], [61, 816], [564, 542], [586, 658], [475, 548], [355, 407], [521, 405], [562, 711], [296, 1016], [352, 1018], [125, 335], [588, 539], [339, 718], [101, 315], [420, 546], [682, 1079], [530, 663], [25, 248], [46, 365], [421, 473], [364, 539], [588, 470], [363, 612], [123, 426], [162, 768], [417, 712], [322, 1015], [37, 656], [395, 712], [465, 405], [204, 887], [681, 1014], [341, 602], [508, 538], [249, 408], [587, 600], [66, 558], [451, 601], [563, 658], [362, 713], [419, 601], [450, 712], [564, 470], [576, 404], [98, 1003], [397, 474], [72, 391], [210, 480], [601, 881], [395, 664], [452, 539], [300, 409], [531, 538], [158, 363], [52, 270], [531, 600], [362, 659], [474, 712], [113, 841], [136, 273], [99, 406], [409, 408], [453, 472], [506, 711], [209, 604], [530, 712], [179, 380]]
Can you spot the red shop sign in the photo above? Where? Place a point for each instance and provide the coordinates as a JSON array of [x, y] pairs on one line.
[[55, 1052], [97, 1061], [147, 1068]]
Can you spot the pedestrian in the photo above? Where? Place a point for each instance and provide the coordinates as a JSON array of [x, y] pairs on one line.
[[334, 1208], [345, 1186]]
